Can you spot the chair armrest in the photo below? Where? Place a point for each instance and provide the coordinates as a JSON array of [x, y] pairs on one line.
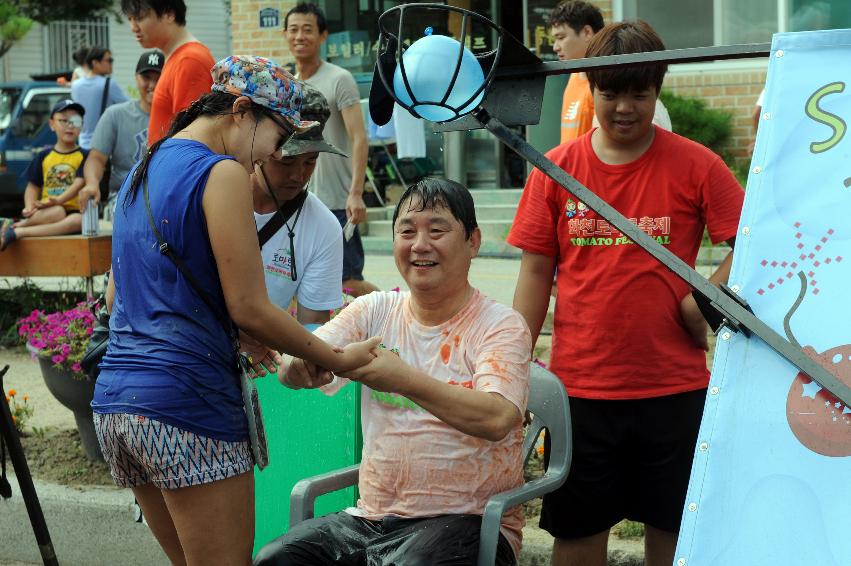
[[306, 491], [498, 504]]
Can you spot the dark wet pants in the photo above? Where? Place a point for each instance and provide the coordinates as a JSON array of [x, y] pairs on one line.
[[345, 540]]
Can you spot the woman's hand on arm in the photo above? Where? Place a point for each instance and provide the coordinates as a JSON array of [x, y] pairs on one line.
[[477, 413]]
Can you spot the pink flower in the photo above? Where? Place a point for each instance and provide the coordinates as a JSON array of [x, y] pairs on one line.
[[61, 337]]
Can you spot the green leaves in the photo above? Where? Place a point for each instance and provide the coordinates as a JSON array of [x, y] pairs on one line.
[[45, 12]]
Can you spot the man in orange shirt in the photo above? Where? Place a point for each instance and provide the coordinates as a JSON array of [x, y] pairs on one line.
[[186, 75], [572, 25]]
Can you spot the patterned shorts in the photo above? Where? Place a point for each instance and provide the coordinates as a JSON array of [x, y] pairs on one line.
[[140, 450]]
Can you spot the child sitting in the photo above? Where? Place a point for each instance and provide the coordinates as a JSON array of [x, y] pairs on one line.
[[55, 177]]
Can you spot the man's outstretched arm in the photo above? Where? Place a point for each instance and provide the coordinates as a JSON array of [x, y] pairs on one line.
[[482, 414]]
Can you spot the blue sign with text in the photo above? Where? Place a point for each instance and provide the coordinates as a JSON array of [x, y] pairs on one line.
[[269, 17], [771, 480]]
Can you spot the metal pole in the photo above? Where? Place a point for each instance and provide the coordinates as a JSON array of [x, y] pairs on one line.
[[737, 316], [454, 165], [25, 481]]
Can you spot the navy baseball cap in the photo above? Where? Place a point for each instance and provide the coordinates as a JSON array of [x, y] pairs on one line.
[[67, 104], [152, 60]]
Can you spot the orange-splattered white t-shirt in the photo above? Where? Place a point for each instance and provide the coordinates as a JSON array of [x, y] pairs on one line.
[[415, 465]]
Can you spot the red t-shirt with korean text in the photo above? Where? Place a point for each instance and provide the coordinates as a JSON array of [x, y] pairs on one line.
[[186, 76], [618, 333]]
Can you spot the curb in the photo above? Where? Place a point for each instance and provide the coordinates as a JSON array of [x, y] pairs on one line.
[[94, 526], [89, 526], [538, 546]]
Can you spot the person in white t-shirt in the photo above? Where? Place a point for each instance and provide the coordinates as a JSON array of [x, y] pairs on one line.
[[441, 406], [303, 256]]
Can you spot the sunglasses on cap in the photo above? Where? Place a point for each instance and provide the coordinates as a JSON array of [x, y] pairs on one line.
[[289, 132], [71, 122]]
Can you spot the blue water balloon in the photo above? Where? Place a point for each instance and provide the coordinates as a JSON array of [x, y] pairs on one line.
[[429, 64]]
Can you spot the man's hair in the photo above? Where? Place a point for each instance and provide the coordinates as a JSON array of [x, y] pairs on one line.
[[576, 14], [95, 53], [308, 8], [432, 192], [138, 8], [618, 39]]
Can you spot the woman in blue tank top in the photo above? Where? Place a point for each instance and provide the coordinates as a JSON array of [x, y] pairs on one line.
[[167, 403]]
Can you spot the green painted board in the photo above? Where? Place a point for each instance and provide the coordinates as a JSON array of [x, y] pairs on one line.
[[308, 433]]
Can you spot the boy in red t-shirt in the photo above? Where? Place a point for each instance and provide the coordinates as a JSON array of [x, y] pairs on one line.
[[628, 338], [161, 24]]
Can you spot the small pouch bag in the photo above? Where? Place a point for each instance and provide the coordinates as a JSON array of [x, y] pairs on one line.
[[250, 398], [256, 430], [98, 341]]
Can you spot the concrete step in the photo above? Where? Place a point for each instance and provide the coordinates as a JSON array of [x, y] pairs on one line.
[[491, 229], [383, 245], [496, 196], [707, 258], [483, 212]]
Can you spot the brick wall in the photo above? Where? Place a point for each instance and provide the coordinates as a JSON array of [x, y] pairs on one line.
[[605, 7], [248, 38], [734, 91]]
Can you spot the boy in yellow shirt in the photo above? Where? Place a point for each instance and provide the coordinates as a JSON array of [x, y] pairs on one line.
[[55, 177]]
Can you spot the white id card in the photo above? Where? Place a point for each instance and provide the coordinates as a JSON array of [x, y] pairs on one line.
[[348, 230]]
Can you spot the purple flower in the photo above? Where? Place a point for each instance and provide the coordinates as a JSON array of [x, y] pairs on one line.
[[61, 337]]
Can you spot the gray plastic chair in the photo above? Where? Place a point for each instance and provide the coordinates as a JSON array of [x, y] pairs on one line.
[[549, 405]]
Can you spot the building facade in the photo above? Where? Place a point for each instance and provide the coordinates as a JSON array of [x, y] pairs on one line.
[[48, 49], [255, 26]]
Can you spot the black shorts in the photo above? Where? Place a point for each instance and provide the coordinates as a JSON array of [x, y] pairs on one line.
[[341, 539], [353, 258], [631, 460]]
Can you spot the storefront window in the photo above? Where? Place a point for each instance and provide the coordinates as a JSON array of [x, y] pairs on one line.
[[537, 33], [352, 44], [725, 22], [807, 15]]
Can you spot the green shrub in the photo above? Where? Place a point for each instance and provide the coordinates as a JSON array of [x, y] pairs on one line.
[[691, 118], [18, 302], [629, 529]]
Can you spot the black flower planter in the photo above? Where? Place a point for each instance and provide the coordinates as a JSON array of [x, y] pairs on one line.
[[77, 395]]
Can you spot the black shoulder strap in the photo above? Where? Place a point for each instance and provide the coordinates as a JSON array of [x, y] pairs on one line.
[[281, 216], [104, 96], [166, 250]]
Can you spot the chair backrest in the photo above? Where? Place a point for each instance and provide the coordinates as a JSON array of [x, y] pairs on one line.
[[549, 405]]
